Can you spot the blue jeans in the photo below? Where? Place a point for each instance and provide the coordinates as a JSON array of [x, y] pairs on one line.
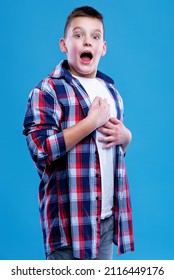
[[105, 247]]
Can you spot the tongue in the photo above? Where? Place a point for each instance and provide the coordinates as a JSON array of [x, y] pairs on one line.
[[85, 59]]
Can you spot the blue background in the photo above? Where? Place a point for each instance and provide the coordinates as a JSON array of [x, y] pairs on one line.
[[140, 58]]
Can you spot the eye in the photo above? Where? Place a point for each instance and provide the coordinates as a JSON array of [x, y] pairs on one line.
[[78, 35], [96, 36]]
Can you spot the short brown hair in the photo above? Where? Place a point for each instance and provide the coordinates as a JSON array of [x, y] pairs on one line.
[[84, 11]]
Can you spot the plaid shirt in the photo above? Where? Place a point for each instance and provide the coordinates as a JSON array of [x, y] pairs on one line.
[[70, 186]]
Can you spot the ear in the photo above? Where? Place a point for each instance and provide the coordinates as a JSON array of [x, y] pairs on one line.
[[63, 45], [104, 48]]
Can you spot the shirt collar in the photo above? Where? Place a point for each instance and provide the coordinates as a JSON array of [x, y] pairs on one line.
[[61, 71]]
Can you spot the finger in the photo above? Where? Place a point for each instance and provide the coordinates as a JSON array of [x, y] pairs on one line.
[[105, 131], [107, 146], [104, 101], [96, 100], [108, 125], [107, 139], [101, 100], [114, 120]]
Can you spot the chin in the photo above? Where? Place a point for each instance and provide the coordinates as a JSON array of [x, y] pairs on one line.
[[88, 74]]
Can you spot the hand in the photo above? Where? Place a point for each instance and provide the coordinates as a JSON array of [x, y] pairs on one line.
[[115, 133], [99, 113]]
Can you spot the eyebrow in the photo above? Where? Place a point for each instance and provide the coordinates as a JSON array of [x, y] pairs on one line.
[[78, 27]]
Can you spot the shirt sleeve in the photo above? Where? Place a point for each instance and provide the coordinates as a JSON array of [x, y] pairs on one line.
[[42, 125]]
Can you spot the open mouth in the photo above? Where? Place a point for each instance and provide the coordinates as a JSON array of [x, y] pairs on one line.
[[86, 57]]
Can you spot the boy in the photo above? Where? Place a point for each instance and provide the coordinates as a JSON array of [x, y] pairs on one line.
[[77, 140]]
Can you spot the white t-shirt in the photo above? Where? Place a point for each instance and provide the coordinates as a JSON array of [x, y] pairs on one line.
[[94, 87]]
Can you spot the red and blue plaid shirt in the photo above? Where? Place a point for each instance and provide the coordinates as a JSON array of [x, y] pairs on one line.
[[70, 182]]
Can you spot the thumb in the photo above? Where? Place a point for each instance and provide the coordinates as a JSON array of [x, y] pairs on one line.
[[96, 100]]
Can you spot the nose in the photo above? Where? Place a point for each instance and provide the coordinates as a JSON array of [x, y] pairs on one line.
[[87, 44], [87, 41]]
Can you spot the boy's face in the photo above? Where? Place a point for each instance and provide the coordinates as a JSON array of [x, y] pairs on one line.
[[84, 45]]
